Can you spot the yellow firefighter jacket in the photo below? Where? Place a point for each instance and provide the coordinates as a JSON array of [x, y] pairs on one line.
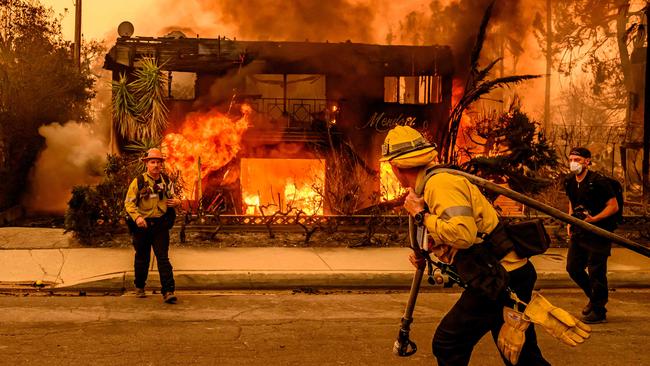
[[458, 211], [150, 205]]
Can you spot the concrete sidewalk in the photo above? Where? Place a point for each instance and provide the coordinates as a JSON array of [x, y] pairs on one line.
[[111, 269]]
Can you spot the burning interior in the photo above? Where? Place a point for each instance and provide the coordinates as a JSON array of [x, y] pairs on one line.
[[263, 127]]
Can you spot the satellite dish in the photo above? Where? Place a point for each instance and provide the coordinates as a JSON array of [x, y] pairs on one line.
[[125, 29]]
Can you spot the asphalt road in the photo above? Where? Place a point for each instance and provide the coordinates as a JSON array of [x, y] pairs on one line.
[[279, 328]]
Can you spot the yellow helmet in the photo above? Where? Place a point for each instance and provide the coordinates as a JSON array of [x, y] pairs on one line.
[[404, 142]]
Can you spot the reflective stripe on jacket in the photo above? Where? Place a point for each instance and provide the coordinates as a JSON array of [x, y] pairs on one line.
[[458, 211]]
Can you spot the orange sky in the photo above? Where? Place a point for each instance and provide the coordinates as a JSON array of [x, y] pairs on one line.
[[100, 18]]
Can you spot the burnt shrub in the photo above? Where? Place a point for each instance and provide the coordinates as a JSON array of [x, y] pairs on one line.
[[96, 213]]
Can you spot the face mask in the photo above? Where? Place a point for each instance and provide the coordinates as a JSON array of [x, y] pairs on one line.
[[575, 167]]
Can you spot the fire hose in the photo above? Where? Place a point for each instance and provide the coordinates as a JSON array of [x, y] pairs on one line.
[[551, 211], [403, 346]]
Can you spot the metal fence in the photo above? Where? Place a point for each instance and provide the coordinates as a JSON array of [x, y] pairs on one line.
[[636, 228], [297, 111], [356, 222]]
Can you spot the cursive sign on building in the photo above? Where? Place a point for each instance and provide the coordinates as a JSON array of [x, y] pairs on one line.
[[382, 122]]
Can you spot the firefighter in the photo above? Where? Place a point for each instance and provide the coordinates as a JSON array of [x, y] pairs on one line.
[[457, 215], [149, 203]]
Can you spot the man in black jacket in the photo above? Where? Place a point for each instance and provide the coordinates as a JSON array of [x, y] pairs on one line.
[[592, 199]]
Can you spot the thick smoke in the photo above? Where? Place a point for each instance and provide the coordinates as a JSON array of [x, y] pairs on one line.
[[445, 22], [74, 155], [296, 20], [456, 23]]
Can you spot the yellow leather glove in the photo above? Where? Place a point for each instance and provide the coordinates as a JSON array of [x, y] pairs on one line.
[[556, 321], [512, 334]]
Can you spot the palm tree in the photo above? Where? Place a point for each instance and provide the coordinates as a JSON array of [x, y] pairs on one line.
[[139, 108], [476, 86], [149, 91], [123, 109]]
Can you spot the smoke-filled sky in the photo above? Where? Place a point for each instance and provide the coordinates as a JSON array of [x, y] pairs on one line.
[[371, 21], [447, 22], [212, 18]]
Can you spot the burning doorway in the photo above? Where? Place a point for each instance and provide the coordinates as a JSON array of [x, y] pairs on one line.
[[282, 184]]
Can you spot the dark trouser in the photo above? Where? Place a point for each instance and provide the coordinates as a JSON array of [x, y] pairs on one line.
[[474, 314], [593, 281], [155, 235]]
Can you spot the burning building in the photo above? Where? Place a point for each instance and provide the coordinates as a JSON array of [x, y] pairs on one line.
[[290, 124]]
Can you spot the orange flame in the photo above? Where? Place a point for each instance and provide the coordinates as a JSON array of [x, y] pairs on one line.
[[252, 204], [389, 185], [462, 139], [282, 184], [304, 198], [213, 136], [457, 90]]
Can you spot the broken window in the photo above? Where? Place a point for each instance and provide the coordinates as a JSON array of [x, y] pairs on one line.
[[265, 85], [182, 85], [413, 89], [298, 86]]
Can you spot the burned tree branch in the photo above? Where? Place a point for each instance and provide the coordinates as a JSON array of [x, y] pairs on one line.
[[308, 231], [268, 220]]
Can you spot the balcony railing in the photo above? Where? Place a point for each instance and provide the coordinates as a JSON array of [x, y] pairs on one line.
[[297, 112]]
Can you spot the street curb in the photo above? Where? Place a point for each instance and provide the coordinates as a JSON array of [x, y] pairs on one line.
[[254, 280], [282, 280], [615, 280]]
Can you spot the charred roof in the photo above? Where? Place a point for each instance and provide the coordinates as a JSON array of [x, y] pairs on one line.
[[209, 55]]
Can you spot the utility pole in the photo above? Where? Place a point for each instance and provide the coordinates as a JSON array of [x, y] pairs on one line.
[[549, 69], [77, 34], [646, 116]]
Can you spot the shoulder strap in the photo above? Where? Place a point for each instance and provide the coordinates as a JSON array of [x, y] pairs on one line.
[[430, 173], [420, 188], [141, 181]]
